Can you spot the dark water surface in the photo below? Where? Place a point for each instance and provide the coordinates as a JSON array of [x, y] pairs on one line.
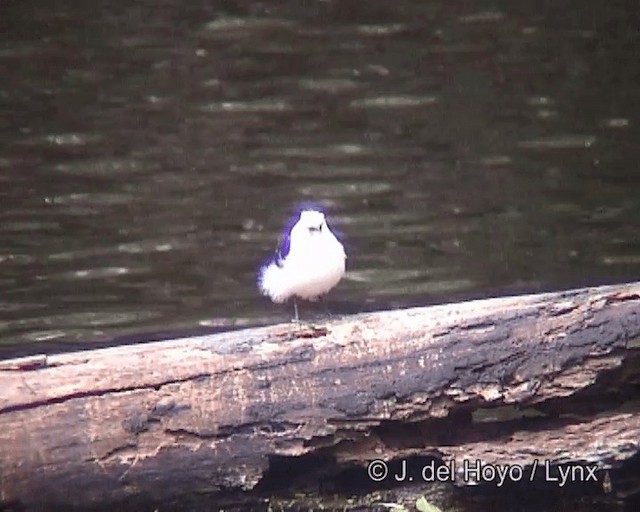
[[150, 151]]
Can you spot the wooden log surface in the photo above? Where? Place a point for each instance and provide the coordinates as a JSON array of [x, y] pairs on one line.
[[504, 381]]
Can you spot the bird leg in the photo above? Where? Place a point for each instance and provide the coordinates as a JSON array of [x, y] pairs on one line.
[[295, 310], [325, 303]]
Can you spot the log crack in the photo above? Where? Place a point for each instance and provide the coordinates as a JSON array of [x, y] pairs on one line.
[[100, 392]]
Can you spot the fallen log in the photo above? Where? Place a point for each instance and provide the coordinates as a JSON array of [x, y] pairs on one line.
[[507, 381]]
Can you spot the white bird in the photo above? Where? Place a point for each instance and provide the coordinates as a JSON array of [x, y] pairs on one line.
[[309, 262]]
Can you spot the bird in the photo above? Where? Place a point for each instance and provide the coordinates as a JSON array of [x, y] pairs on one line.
[[309, 262]]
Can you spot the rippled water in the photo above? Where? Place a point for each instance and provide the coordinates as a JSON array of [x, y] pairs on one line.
[[150, 151]]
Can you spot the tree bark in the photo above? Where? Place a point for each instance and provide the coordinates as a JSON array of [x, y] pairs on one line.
[[510, 381]]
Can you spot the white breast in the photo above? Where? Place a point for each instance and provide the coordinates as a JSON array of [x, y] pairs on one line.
[[309, 271]]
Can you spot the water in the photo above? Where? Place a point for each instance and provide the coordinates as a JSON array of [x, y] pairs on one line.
[[150, 152]]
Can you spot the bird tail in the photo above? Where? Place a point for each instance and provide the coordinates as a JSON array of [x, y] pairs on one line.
[[272, 283]]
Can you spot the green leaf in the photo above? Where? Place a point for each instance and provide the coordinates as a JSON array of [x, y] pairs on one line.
[[424, 506]]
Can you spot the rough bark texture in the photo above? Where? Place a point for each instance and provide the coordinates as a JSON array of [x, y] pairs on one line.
[[505, 381]]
